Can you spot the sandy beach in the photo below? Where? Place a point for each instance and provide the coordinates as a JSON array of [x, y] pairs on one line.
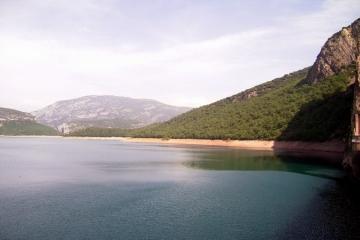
[[333, 146]]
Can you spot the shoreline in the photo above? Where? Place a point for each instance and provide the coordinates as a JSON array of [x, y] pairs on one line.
[[269, 145], [30, 136]]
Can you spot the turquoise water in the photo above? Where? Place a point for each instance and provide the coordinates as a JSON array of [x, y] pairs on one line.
[[54, 188]]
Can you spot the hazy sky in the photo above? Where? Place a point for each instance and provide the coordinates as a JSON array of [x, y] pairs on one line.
[[179, 52]]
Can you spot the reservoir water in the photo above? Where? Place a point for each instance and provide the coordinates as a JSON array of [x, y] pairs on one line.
[[56, 188]]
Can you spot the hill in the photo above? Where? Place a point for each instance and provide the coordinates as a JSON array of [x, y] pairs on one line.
[[7, 114], [105, 112], [13, 122], [313, 104], [285, 110]]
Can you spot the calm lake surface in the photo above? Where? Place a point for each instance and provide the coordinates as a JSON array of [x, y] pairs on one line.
[[54, 188]]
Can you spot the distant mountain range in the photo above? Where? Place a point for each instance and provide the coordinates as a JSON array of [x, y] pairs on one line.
[[106, 112]]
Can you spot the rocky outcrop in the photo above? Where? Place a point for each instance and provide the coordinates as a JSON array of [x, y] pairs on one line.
[[339, 51]]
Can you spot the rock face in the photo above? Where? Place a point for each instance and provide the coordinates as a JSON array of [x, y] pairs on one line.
[[106, 112], [339, 51], [351, 160], [7, 114]]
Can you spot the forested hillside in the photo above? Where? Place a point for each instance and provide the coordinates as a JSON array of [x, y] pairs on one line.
[[26, 128], [14, 122], [285, 109], [313, 104]]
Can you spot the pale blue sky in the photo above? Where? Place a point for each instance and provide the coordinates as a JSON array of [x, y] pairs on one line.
[[179, 52]]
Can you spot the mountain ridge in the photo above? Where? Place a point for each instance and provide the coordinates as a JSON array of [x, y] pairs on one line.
[[105, 111], [9, 114]]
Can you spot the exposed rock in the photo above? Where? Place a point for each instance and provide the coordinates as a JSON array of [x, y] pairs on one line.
[[351, 160], [339, 51]]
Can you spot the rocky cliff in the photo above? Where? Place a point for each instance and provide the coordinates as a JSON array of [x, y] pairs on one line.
[[339, 51]]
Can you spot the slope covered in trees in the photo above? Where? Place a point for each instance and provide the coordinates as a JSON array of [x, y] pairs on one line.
[[25, 127], [312, 104], [286, 108], [14, 122]]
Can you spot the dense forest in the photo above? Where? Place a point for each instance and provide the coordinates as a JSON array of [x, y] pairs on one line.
[[285, 108], [25, 127]]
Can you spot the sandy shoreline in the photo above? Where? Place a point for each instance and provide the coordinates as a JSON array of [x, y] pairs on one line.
[[331, 147]]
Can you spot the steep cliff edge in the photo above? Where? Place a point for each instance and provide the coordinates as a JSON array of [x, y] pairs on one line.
[[339, 51], [351, 159]]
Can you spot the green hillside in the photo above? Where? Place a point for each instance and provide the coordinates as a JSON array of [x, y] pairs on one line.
[[100, 132], [25, 127], [285, 108]]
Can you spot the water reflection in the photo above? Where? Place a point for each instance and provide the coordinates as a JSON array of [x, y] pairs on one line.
[[75, 189], [326, 166], [334, 214]]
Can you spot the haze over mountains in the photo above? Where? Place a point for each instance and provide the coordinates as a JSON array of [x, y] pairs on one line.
[[105, 111]]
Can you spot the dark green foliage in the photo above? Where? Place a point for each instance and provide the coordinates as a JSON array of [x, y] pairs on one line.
[[106, 123], [284, 109], [324, 119], [100, 132], [25, 127]]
